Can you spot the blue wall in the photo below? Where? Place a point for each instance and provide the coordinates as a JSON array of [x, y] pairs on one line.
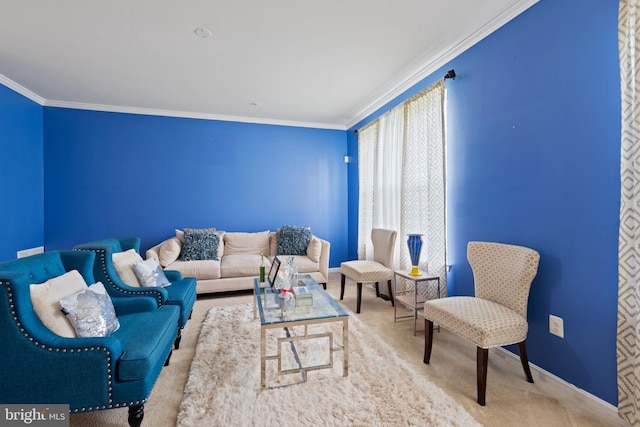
[[21, 175], [111, 174], [533, 159]]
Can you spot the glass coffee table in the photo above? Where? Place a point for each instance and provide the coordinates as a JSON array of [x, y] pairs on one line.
[[324, 309]]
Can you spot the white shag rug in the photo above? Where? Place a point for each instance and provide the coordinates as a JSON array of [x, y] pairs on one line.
[[223, 388]]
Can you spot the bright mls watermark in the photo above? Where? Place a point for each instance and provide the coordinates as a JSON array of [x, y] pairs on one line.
[[34, 415]]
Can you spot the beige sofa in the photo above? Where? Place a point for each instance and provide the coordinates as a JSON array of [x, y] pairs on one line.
[[239, 260]]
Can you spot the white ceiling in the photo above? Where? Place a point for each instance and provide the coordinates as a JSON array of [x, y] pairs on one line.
[[324, 64]]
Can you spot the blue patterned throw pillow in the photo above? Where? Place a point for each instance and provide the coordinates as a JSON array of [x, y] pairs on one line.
[[200, 246], [294, 240]]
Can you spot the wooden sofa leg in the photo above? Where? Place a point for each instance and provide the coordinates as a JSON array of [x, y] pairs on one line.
[[359, 297], [483, 361], [522, 349], [176, 343], [136, 414], [428, 340], [341, 286]]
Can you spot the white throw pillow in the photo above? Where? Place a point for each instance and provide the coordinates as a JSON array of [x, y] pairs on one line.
[[149, 273], [91, 312], [273, 243], [169, 251], [220, 244], [123, 263], [45, 298], [314, 250]]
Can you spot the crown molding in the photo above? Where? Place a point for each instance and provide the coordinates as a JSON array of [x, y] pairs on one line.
[[401, 85], [445, 56], [190, 115], [21, 90]]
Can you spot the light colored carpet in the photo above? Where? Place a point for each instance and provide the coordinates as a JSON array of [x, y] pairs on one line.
[[223, 388], [511, 401]]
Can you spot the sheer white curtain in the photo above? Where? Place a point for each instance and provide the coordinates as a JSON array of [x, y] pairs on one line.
[[628, 341], [380, 169], [423, 180], [401, 158]]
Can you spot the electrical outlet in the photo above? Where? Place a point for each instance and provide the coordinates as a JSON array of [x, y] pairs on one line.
[[29, 252], [556, 325]]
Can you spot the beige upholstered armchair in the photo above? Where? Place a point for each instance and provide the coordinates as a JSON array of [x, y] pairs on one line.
[[377, 270], [497, 315]]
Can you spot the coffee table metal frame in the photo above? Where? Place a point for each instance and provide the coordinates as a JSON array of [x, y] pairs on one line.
[[324, 310]]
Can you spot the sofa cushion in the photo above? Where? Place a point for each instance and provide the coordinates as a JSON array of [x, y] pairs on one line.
[[246, 243], [169, 251], [201, 270], [293, 240], [45, 298], [182, 293], [200, 246], [240, 265], [149, 273], [146, 338], [123, 263], [91, 312], [314, 250], [209, 230]]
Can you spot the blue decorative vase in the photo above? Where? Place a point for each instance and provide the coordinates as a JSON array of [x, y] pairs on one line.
[[415, 246]]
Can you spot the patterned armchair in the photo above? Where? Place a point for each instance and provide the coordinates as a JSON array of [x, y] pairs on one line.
[[89, 374], [181, 293], [497, 315]]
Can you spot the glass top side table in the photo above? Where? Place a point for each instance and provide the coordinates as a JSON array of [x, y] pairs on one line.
[[411, 298]]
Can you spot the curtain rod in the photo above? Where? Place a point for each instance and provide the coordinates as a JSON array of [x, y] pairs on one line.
[[451, 74]]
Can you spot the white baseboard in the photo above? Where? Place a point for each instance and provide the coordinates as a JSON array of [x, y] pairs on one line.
[[602, 407]]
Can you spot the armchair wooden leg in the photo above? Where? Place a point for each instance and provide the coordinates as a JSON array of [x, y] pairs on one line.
[[393, 303], [166, 361], [359, 297], [428, 340], [324, 285], [136, 414], [176, 343], [483, 361], [377, 290], [522, 349], [341, 286]]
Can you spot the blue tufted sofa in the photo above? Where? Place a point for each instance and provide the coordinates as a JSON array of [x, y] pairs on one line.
[[89, 374], [181, 293]]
